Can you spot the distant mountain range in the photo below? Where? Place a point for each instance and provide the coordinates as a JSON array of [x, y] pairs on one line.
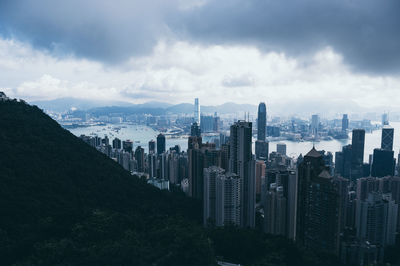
[[156, 108], [330, 108], [66, 104]]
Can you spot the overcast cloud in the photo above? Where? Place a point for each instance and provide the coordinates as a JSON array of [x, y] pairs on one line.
[[226, 50]]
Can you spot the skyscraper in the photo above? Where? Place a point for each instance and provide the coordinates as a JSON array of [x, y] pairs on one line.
[[275, 211], [228, 199], [209, 200], [383, 163], [152, 165], [139, 157], [314, 124], [262, 150], [385, 119], [261, 121], [260, 174], [243, 164], [281, 148], [318, 205], [116, 143], [152, 146], [196, 111], [357, 153], [376, 219], [127, 145], [261, 144], [195, 130], [160, 143], [345, 123], [387, 138]]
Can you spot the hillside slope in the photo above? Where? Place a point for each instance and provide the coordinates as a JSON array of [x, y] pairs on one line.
[[62, 202]]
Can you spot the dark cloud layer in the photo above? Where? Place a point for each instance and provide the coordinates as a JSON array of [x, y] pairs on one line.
[[365, 32], [109, 31]]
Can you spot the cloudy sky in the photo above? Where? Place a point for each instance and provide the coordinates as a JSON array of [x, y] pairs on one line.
[[286, 53]]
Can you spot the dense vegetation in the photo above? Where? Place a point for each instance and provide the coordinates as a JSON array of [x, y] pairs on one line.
[[64, 203]]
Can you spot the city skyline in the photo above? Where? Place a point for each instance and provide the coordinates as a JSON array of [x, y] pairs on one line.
[[200, 132]]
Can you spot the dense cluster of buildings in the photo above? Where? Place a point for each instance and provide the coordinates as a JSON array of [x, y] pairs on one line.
[[349, 208]]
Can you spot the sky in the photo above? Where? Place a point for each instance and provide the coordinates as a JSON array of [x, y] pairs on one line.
[[290, 54]]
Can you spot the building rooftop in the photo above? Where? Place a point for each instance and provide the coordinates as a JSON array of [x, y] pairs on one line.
[[313, 153]]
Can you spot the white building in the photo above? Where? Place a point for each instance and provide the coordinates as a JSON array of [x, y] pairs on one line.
[[228, 199]]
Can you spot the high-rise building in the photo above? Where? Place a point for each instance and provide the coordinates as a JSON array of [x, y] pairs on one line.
[[387, 138], [139, 157], [162, 170], [152, 165], [366, 185], [357, 153], [209, 200], [228, 199], [195, 130], [160, 144], [261, 144], [127, 145], [318, 205], [242, 163], [200, 156], [261, 121], [105, 141], [275, 211], [339, 163], [387, 184], [314, 124], [347, 160], [194, 142], [383, 163], [385, 119], [281, 148], [207, 123], [345, 123], [217, 122], [173, 167], [260, 173], [376, 220], [116, 143], [152, 146], [262, 150], [196, 111], [225, 156]]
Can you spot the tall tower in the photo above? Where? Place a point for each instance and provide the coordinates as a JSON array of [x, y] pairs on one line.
[[318, 205], [315, 124], [139, 157], [261, 121], [345, 123], [209, 199], [357, 153], [261, 144], [197, 111], [152, 147], [160, 143], [387, 138], [228, 193], [385, 119], [195, 130], [242, 163]]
